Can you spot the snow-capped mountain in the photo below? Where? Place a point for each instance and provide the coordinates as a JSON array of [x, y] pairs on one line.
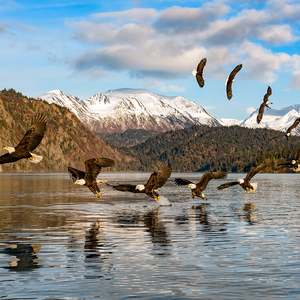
[[122, 109], [278, 119], [230, 122]]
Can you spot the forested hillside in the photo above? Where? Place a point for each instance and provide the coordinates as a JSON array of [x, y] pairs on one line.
[[66, 142], [204, 148], [128, 138]]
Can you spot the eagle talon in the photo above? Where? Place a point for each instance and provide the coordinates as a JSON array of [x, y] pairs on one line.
[[98, 195], [157, 198]]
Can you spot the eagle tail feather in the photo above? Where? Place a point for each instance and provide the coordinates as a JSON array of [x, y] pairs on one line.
[[35, 158]]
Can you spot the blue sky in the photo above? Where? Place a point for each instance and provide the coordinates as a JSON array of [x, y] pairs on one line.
[[86, 47]]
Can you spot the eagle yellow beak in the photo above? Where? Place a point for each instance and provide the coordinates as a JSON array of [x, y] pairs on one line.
[[5, 148], [75, 182]]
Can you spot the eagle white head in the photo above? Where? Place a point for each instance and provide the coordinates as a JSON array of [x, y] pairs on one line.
[[194, 72], [140, 187], [269, 102], [293, 161], [288, 134], [241, 181], [192, 186], [9, 149], [80, 182]]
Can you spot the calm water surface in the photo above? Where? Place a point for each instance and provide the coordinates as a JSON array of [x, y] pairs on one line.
[[58, 241]]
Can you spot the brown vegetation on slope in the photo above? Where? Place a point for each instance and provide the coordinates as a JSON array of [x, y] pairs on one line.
[[66, 142]]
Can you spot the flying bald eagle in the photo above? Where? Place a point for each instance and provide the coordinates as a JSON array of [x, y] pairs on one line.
[[288, 132], [197, 189], [245, 183], [156, 180], [199, 72], [264, 104], [231, 79], [29, 142], [294, 164], [93, 168]]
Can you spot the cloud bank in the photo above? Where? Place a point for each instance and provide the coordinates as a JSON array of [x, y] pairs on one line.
[[169, 43]]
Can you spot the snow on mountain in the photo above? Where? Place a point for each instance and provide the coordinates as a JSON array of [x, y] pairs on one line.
[[278, 119], [230, 122], [122, 109]]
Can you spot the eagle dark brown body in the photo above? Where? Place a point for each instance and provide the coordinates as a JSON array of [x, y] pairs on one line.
[[230, 79], [197, 189], [156, 180], [93, 168], [199, 72], [29, 142], [294, 164], [288, 132], [264, 104], [245, 183]]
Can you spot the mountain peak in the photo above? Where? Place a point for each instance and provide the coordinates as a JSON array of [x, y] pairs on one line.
[[122, 109]]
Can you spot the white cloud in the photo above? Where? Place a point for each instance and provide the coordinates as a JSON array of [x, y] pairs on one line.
[[250, 110], [169, 43], [139, 15], [295, 81]]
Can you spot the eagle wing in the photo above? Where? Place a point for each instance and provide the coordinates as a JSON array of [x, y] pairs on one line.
[[126, 188], [210, 175], [266, 96], [75, 174], [230, 80], [293, 126], [275, 137], [7, 158], [199, 75], [34, 134], [93, 165], [254, 171], [282, 166], [260, 112], [227, 184], [180, 181], [162, 176]]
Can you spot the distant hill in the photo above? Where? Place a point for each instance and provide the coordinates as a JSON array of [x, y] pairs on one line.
[[204, 148], [67, 141], [128, 138]]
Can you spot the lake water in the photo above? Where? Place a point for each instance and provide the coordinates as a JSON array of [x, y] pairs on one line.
[[58, 241]]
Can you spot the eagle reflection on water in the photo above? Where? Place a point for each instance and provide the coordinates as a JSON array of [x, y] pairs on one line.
[[153, 225], [197, 214], [249, 214], [22, 257]]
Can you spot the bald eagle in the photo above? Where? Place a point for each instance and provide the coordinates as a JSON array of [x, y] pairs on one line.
[[231, 79], [93, 168], [294, 164], [199, 72], [156, 180], [245, 183], [197, 189], [264, 104], [29, 142], [288, 132]]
